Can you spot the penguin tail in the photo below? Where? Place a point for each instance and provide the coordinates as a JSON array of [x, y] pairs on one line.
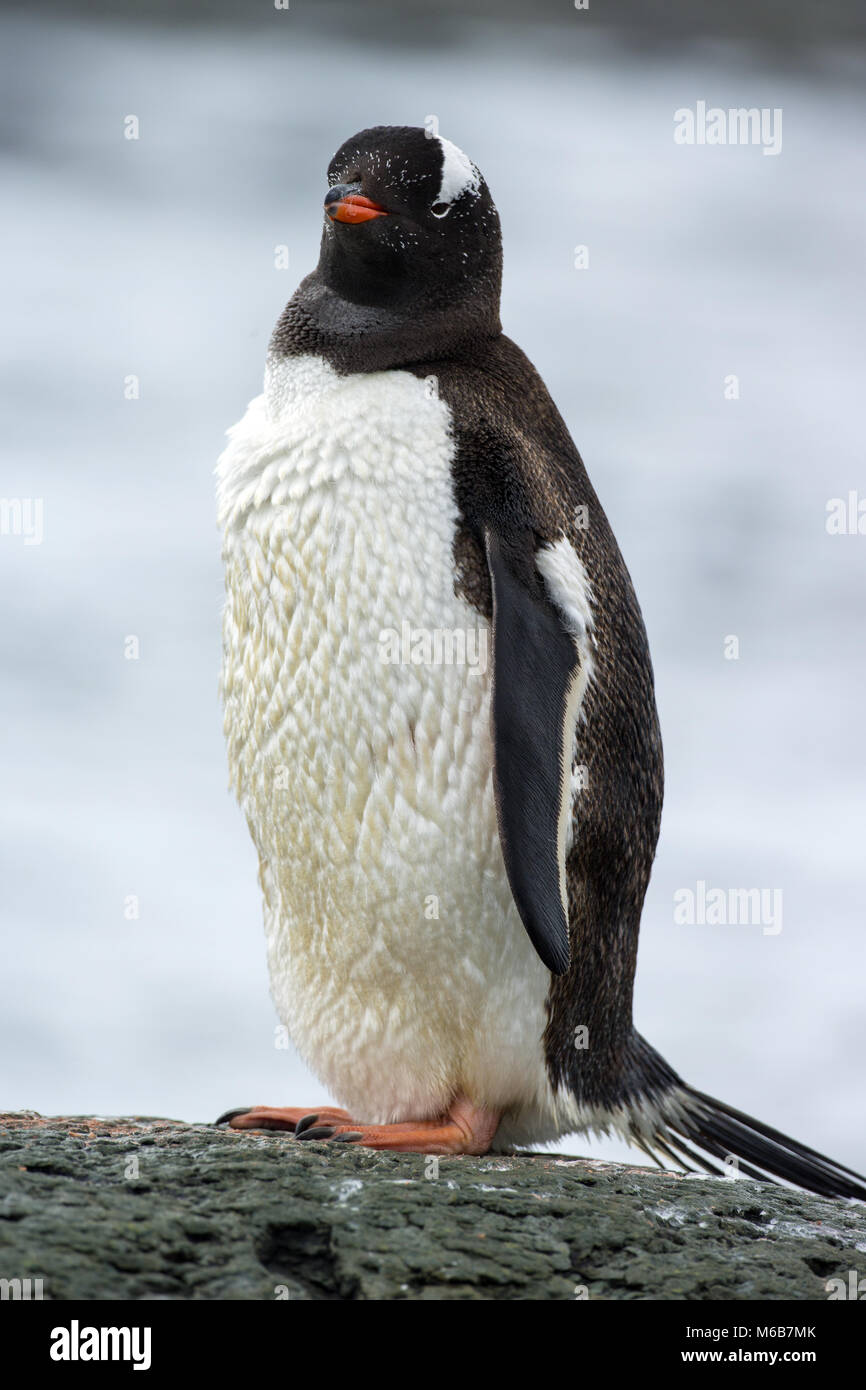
[[673, 1119]]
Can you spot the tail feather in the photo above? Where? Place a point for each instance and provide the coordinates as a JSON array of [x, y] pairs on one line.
[[679, 1152], [761, 1152], [661, 1114]]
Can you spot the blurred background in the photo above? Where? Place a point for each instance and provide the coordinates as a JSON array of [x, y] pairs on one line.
[[133, 975]]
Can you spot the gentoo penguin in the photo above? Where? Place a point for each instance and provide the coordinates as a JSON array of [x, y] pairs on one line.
[[439, 708]]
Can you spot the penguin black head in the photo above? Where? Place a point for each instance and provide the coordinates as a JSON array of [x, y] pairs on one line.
[[410, 265], [409, 222]]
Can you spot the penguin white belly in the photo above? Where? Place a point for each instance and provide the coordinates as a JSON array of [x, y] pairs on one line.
[[397, 958]]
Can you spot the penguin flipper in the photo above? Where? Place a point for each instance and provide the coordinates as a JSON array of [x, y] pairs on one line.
[[536, 685]]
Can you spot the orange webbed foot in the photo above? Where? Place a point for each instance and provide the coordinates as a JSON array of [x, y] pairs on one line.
[[465, 1129]]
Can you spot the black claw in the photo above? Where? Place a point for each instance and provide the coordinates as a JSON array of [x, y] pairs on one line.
[[230, 1114], [304, 1123], [347, 1137], [315, 1132]]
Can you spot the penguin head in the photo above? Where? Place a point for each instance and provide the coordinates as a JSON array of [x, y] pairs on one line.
[[409, 224]]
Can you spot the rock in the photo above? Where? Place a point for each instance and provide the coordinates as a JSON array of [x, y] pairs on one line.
[[149, 1208]]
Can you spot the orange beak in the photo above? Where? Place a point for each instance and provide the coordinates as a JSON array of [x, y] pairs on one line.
[[342, 206]]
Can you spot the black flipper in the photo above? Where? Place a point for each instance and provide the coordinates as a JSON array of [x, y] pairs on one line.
[[536, 678]]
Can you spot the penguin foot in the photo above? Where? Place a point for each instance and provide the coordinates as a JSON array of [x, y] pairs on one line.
[[466, 1129], [277, 1117]]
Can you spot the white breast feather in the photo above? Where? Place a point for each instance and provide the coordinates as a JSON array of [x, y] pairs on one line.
[[397, 958]]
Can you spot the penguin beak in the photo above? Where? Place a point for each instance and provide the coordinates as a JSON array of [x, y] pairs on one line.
[[343, 203]]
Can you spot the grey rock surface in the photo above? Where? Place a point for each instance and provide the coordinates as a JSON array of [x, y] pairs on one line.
[[145, 1208]]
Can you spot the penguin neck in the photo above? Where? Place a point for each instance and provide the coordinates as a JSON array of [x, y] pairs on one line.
[[365, 338]]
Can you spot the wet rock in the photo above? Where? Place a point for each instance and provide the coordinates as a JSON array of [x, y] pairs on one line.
[[147, 1208]]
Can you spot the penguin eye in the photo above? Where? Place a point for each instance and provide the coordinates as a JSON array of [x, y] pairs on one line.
[[440, 209]]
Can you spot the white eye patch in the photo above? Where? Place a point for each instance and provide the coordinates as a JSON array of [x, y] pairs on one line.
[[459, 175]]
